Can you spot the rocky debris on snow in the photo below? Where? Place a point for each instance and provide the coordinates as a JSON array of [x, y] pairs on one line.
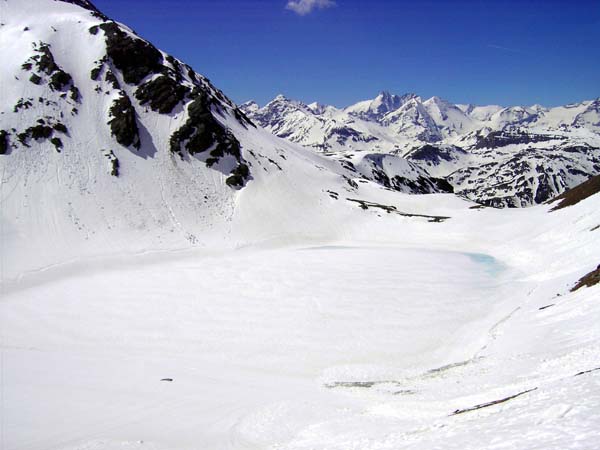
[[113, 162], [587, 371], [162, 94], [134, 57], [44, 63], [57, 142], [44, 130], [238, 176], [202, 132], [334, 195], [162, 85], [541, 308], [23, 104], [364, 204]]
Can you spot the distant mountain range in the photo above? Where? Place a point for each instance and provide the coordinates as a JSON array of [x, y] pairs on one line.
[[503, 157]]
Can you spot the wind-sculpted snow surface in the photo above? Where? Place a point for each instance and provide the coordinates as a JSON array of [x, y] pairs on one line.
[[502, 157], [173, 277]]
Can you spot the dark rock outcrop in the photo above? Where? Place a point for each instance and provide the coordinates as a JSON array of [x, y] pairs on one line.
[[578, 193], [123, 122], [497, 139], [589, 280], [3, 142], [162, 94], [134, 57]]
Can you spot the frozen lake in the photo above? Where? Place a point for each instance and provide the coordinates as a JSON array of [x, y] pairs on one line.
[[259, 344]]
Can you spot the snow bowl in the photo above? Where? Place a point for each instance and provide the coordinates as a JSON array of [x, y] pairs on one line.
[[249, 346]]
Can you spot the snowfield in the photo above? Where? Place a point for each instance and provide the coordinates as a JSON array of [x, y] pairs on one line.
[[343, 345], [245, 292]]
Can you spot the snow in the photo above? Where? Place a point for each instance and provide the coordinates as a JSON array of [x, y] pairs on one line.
[[285, 318], [267, 347], [565, 154], [400, 123], [266, 344]]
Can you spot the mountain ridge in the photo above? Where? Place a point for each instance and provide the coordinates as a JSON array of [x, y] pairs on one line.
[[108, 144], [502, 156]]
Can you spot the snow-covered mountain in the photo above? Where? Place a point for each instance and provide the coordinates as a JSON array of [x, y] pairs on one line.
[[108, 143], [381, 105], [173, 277], [515, 156], [324, 128]]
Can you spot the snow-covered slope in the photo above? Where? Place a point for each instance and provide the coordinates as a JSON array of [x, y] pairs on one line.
[[312, 303], [515, 156], [108, 144], [396, 333]]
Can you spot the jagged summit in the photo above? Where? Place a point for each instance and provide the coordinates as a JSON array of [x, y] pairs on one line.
[[250, 106], [378, 107]]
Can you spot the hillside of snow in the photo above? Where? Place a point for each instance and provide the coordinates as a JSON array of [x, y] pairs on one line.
[[402, 333], [110, 145], [174, 276]]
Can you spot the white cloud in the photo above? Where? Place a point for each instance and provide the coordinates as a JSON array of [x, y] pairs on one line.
[[303, 7]]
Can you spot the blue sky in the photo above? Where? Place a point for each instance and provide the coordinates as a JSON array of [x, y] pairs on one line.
[[475, 51]]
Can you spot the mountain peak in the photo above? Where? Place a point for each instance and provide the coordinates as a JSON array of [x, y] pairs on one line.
[[394, 101], [388, 96], [249, 107], [437, 100], [378, 107], [385, 94], [318, 108]]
